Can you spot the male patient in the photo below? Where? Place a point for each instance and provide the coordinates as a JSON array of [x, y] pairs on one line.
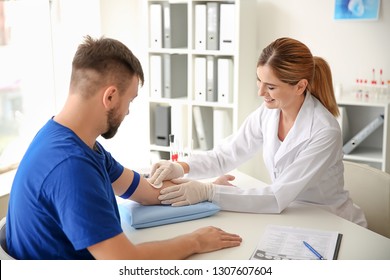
[[62, 202]]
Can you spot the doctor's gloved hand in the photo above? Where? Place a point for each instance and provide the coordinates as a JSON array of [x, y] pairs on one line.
[[165, 170], [187, 192]]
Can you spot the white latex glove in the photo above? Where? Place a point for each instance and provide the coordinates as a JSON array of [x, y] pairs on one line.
[[165, 170], [187, 192]]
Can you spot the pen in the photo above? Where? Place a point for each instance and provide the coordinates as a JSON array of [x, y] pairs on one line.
[[313, 251]]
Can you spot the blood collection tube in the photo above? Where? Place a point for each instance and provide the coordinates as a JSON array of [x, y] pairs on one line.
[[173, 151]]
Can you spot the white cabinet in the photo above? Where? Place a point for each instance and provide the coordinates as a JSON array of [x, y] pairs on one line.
[[202, 71], [358, 114]]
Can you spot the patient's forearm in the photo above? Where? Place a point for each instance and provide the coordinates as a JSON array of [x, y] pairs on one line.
[[146, 194]]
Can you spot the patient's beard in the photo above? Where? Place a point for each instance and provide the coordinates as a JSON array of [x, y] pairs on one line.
[[113, 123]]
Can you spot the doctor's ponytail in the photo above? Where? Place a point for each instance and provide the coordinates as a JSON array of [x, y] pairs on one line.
[[321, 86]]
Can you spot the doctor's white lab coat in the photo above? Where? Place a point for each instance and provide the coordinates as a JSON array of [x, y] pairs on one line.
[[306, 167]]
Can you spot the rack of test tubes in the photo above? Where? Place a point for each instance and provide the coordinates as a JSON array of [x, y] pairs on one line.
[[176, 150], [376, 89]]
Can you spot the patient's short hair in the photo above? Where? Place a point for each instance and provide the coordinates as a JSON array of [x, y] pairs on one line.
[[103, 61]]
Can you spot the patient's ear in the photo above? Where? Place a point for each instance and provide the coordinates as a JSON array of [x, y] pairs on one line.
[[110, 97]]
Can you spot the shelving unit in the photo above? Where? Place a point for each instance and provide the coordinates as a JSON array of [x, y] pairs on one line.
[[180, 91], [374, 150]]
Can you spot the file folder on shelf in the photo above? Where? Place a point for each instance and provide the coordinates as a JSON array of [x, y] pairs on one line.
[[200, 26], [211, 94], [156, 71], [223, 125], [200, 78], [175, 75], [227, 27], [212, 42], [363, 134], [156, 26], [174, 25], [179, 120], [203, 121], [162, 125], [225, 80]]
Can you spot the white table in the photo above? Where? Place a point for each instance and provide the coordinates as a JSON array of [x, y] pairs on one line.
[[357, 243]]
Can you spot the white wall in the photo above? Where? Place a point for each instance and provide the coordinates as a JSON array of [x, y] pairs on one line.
[[69, 26], [126, 20], [352, 48]]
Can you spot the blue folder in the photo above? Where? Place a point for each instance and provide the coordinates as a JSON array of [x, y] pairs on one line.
[[140, 216]]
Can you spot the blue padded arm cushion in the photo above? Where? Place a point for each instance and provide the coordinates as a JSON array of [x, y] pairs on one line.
[[140, 216]]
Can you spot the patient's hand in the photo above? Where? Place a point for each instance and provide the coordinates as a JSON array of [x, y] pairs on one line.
[[224, 180]]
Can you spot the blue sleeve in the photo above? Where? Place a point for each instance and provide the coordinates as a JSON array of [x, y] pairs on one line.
[[84, 202], [114, 168]]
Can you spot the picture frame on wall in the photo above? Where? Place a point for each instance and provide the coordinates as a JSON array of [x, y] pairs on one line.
[[356, 9]]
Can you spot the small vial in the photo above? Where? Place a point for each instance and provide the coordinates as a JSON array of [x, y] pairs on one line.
[[172, 147], [387, 90], [374, 86], [358, 89], [382, 90], [374, 89], [366, 90], [381, 86]]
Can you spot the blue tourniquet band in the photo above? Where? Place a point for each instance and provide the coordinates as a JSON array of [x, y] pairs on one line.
[[133, 186]]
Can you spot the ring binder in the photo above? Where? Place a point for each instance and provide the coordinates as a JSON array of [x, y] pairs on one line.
[[212, 26], [174, 25], [363, 134], [156, 26], [212, 76], [227, 27], [200, 26]]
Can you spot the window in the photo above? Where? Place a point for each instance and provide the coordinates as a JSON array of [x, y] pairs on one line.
[[38, 39], [26, 75]]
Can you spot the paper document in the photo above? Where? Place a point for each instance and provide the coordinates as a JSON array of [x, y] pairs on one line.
[[285, 242]]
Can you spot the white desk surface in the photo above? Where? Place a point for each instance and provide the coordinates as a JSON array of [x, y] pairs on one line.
[[358, 243]]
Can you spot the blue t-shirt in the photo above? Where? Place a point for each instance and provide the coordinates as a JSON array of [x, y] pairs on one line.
[[62, 199]]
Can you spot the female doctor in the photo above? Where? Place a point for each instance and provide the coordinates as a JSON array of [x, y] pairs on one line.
[[298, 133]]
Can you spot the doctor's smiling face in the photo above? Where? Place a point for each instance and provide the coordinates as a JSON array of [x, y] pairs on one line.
[[278, 94]]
